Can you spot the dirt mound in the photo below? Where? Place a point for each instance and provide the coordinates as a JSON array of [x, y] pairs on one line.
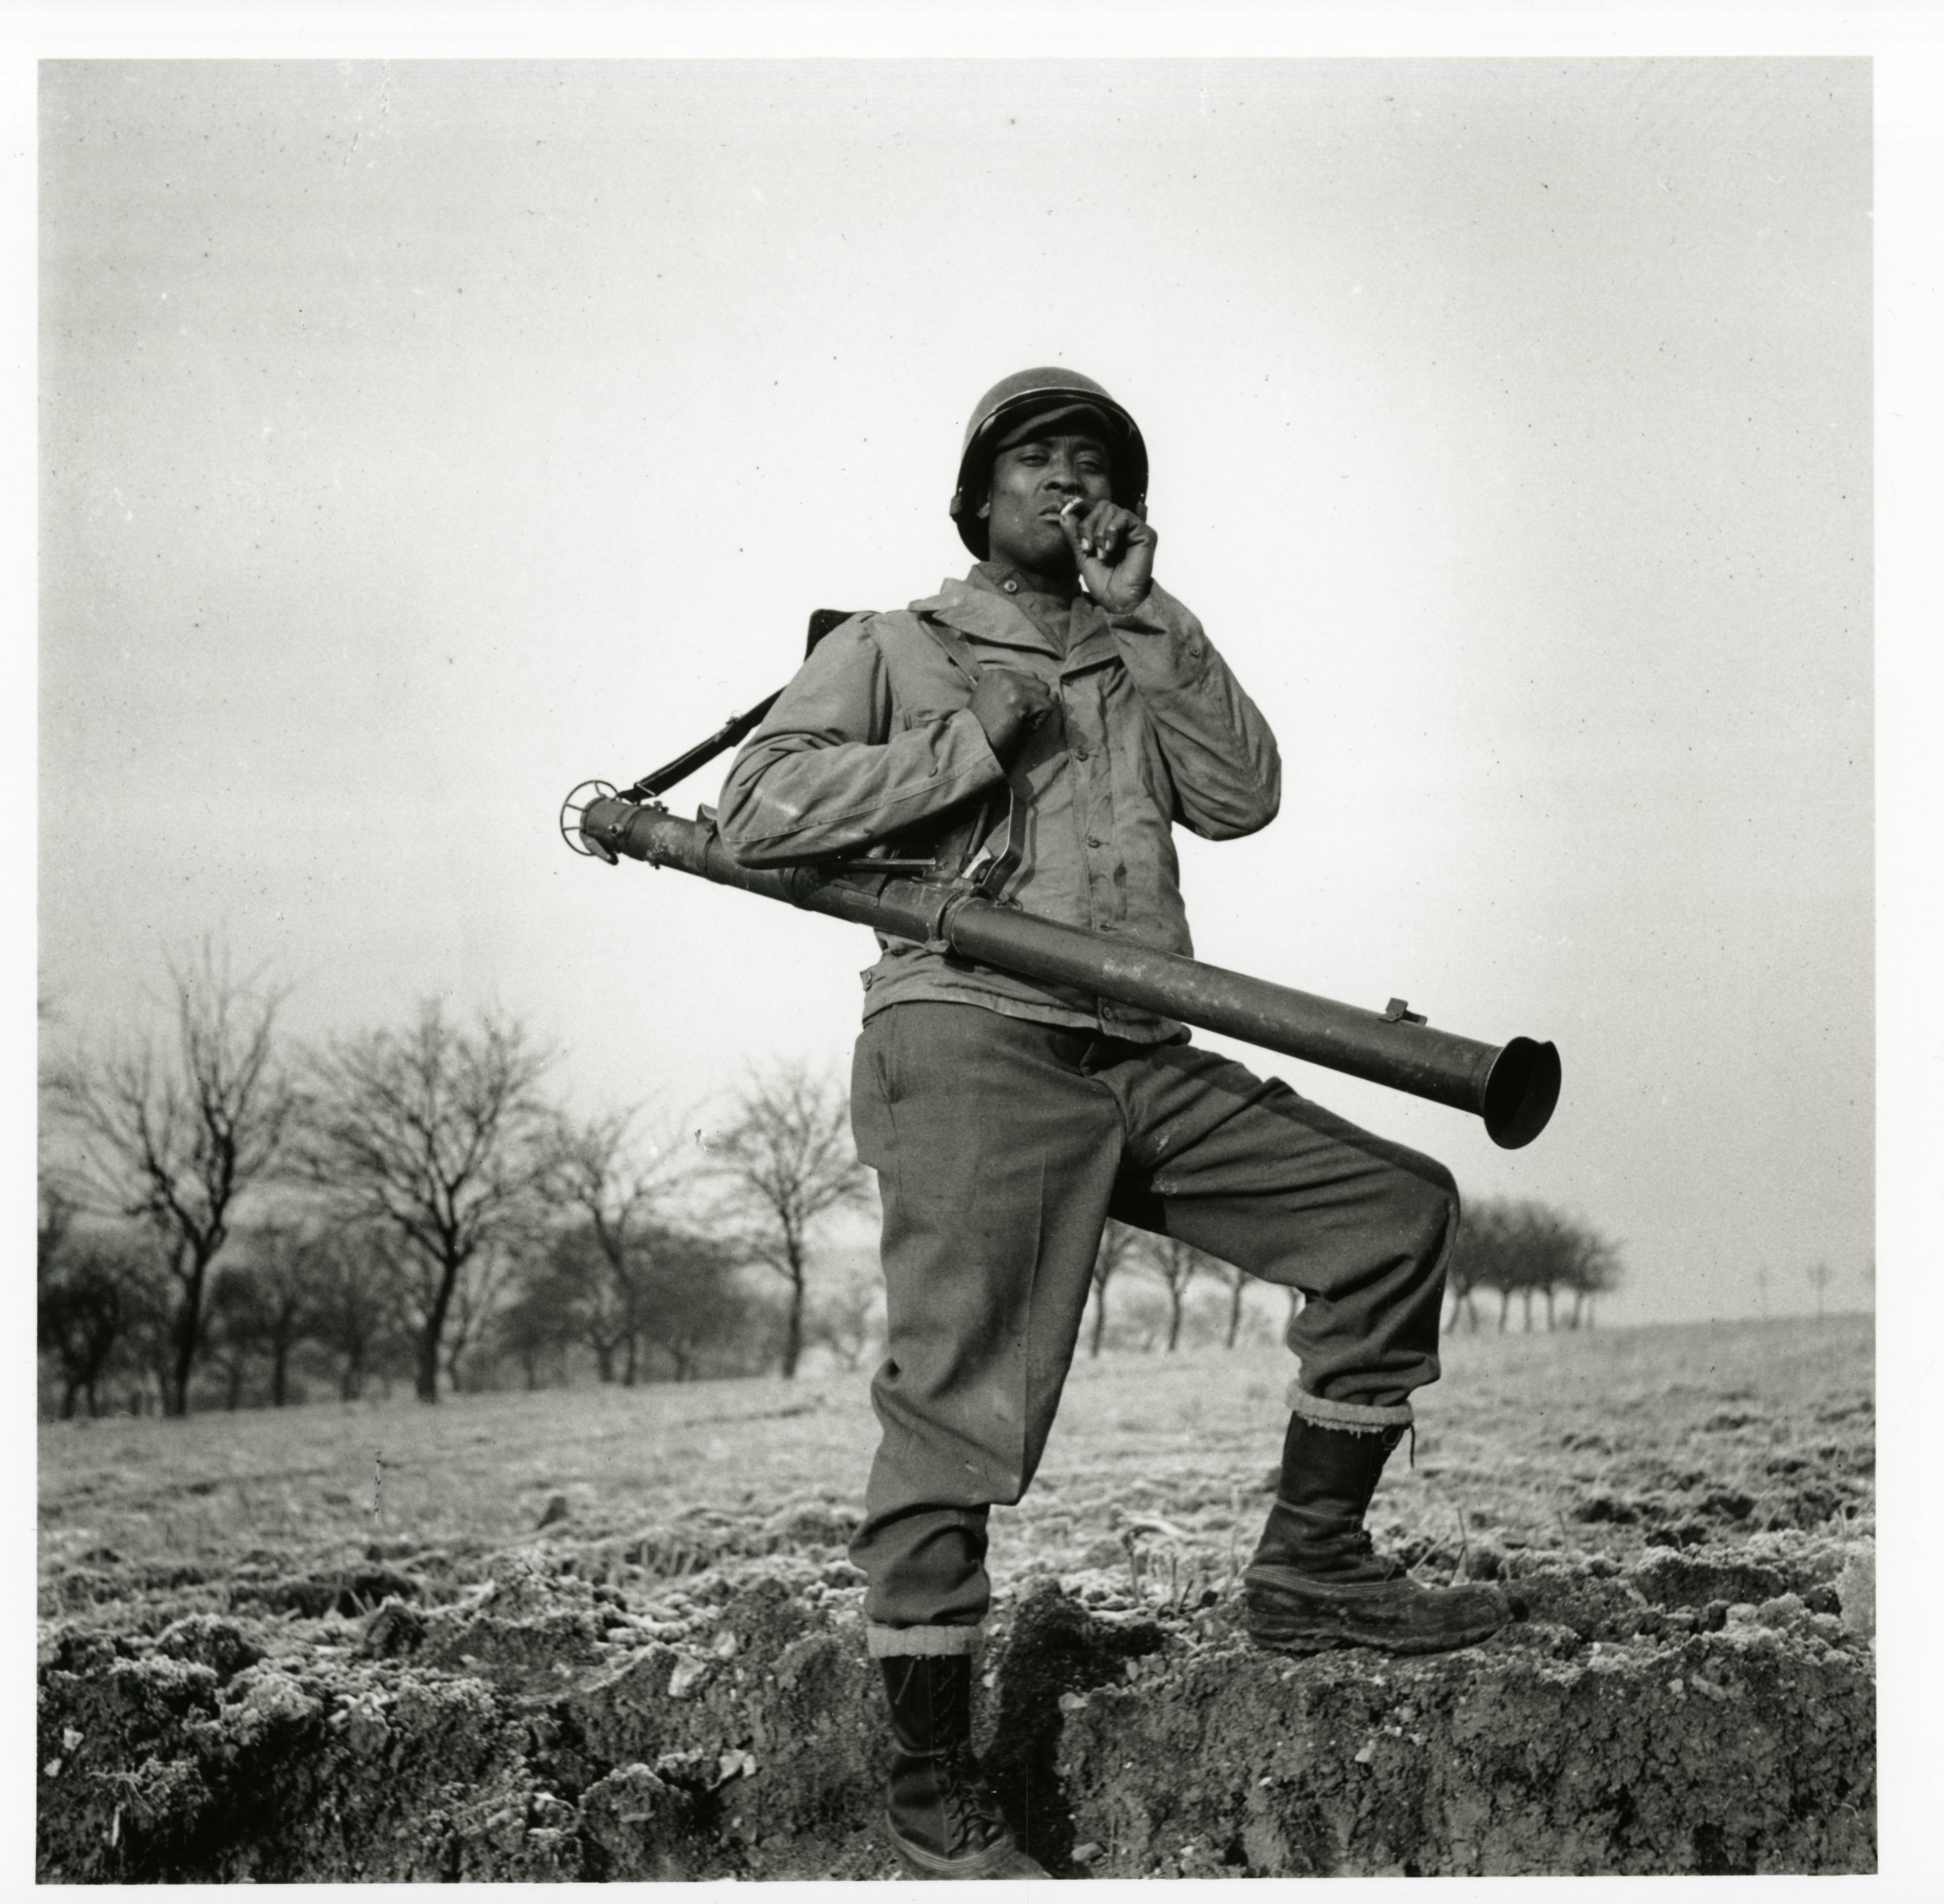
[[1702, 1711], [1605, 1733]]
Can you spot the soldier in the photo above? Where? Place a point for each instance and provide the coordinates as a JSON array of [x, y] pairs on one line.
[[1046, 722]]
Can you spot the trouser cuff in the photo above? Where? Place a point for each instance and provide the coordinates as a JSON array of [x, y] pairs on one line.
[[901, 1642], [1357, 1417]]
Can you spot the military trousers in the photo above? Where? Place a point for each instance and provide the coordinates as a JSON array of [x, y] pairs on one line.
[[1001, 1146]]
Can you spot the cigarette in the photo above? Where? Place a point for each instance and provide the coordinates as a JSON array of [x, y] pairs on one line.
[[1074, 505]]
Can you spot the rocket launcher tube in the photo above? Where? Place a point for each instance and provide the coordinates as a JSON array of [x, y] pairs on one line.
[[1513, 1086]]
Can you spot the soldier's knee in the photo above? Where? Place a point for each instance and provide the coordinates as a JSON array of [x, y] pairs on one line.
[[1448, 1189], [1424, 1195]]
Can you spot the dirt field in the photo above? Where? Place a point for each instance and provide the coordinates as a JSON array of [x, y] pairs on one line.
[[339, 1643]]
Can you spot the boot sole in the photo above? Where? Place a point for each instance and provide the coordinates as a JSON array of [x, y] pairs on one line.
[[1315, 1629], [1320, 1640], [996, 1861]]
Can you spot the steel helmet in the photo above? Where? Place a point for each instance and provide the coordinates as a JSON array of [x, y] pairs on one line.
[[1015, 399]]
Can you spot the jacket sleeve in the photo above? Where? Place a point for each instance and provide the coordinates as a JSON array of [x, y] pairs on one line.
[[1220, 753], [828, 771]]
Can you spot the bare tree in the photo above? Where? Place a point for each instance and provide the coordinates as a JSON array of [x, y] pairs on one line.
[[1492, 1252], [267, 1302], [1591, 1267], [93, 1289], [1524, 1249], [847, 1320], [55, 1211], [690, 1306], [232, 1322], [1175, 1265], [1461, 1285], [439, 1132], [78, 1322], [599, 1305], [542, 1320], [477, 1298], [1237, 1281], [614, 1180], [174, 1135], [1818, 1273], [145, 1355], [1119, 1244], [786, 1161], [358, 1276], [692, 1303]]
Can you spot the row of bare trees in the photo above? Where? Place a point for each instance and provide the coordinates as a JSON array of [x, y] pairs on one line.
[[170, 1139], [211, 1202], [1521, 1249], [409, 1199], [1527, 1250], [1167, 1266]]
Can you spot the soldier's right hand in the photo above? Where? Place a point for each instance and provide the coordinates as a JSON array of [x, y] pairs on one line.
[[1009, 704]]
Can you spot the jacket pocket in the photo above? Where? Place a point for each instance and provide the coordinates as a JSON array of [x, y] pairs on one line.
[[926, 717]]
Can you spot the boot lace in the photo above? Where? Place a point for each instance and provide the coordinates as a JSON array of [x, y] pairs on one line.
[[973, 1819], [1351, 1550], [1363, 1554]]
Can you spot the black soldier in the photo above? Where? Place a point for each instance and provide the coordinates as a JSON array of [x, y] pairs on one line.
[[1059, 703]]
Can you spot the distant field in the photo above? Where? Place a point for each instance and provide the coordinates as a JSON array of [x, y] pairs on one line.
[[1592, 1441]]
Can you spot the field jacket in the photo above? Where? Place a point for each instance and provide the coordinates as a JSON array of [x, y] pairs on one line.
[[874, 745]]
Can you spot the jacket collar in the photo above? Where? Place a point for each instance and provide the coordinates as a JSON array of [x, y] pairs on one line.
[[991, 616], [984, 613]]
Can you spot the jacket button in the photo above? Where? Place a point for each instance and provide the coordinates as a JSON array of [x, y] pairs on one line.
[[1078, 751]]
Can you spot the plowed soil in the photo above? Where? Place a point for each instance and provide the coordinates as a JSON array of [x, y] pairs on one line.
[[339, 1644]]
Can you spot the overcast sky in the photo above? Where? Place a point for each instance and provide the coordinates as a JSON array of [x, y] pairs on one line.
[[418, 440]]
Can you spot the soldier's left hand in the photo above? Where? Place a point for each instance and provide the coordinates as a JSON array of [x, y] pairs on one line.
[[1115, 551]]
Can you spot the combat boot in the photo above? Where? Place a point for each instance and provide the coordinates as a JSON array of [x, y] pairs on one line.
[[1316, 1582], [942, 1819]]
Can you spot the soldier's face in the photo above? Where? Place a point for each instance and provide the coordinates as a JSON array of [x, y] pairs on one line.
[[1031, 482]]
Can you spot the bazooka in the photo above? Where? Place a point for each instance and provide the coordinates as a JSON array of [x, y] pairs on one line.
[[1513, 1087]]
